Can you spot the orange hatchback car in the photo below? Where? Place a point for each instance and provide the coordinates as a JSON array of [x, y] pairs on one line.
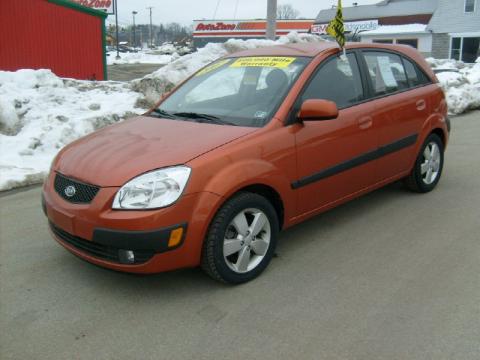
[[251, 144]]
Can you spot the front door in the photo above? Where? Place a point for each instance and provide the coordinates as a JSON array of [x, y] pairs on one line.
[[333, 156]]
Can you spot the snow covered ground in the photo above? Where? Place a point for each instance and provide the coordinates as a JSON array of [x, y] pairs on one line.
[[461, 83], [162, 55], [40, 113], [140, 57]]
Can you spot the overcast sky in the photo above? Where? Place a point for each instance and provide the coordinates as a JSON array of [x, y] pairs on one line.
[[184, 11]]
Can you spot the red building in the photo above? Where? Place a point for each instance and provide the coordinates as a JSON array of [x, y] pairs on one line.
[[59, 35]]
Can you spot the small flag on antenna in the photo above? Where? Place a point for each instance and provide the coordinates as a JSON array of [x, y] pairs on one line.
[[335, 27]]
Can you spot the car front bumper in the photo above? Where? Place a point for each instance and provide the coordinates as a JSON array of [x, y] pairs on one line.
[[131, 241]]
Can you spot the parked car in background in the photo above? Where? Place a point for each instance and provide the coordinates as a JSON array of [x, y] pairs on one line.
[[252, 144]]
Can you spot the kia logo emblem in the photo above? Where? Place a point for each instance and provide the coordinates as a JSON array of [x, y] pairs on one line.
[[70, 190]]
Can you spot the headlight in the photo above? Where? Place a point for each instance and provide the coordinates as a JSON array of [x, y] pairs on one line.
[[152, 190]]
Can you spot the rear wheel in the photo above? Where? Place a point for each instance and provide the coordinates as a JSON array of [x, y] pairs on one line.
[[241, 239], [428, 166]]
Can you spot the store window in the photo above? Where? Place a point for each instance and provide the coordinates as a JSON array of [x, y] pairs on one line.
[[412, 42], [469, 6], [465, 49]]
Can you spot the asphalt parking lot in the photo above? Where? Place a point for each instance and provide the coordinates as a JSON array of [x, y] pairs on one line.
[[392, 275], [127, 72]]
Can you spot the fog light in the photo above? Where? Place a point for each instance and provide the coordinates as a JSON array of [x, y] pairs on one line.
[[126, 256], [175, 237]]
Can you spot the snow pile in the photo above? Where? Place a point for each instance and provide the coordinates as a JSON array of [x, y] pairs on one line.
[[461, 83], [40, 113], [153, 86]]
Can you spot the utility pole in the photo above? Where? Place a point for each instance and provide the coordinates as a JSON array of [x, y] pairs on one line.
[[116, 28], [134, 31], [151, 30], [271, 19]]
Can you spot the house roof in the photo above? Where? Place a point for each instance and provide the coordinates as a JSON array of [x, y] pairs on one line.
[[386, 8], [397, 29]]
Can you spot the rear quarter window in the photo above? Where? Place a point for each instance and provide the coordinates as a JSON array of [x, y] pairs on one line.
[[416, 77]]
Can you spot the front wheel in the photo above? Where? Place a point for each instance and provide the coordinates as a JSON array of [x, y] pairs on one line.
[[241, 239], [428, 166]]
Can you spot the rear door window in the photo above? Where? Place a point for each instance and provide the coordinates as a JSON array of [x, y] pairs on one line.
[[386, 72], [338, 81]]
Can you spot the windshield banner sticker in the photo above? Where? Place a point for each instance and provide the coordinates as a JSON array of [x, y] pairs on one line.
[[212, 67], [276, 62]]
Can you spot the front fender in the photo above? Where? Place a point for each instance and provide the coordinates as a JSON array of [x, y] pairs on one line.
[[244, 173]]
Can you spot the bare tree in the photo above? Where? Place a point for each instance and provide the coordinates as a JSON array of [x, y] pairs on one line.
[[287, 11]]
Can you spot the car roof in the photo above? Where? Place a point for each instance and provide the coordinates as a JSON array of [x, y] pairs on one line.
[[317, 48]]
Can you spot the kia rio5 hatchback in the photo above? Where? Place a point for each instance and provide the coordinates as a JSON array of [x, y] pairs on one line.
[[249, 145]]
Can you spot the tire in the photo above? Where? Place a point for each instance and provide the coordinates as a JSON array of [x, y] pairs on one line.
[[428, 166], [236, 250]]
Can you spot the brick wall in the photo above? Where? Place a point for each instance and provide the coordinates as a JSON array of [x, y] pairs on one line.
[[440, 46]]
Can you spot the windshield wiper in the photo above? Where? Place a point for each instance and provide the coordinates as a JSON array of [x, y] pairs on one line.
[[205, 117], [163, 113]]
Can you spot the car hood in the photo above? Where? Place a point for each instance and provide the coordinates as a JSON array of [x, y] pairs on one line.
[[118, 153]]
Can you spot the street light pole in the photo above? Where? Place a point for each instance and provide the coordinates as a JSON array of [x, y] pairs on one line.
[[271, 19], [116, 28], [151, 30], [134, 32]]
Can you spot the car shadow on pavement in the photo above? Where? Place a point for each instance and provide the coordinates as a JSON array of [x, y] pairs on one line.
[[195, 281]]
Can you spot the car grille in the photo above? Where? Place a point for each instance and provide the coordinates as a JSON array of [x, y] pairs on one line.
[[83, 194], [97, 250]]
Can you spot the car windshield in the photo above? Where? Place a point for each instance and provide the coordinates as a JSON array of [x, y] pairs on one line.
[[243, 91]]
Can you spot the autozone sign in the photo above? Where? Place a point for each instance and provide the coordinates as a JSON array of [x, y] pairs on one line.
[[219, 26], [352, 26], [102, 5]]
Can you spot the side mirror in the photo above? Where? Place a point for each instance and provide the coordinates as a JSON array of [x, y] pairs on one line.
[[316, 110]]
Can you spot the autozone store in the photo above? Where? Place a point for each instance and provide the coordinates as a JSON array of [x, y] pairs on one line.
[[206, 31]]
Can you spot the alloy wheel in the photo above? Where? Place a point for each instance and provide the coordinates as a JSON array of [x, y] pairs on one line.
[[246, 240], [430, 167]]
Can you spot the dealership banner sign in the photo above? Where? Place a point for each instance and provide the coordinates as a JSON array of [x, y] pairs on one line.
[[102, 5], [352, 26]]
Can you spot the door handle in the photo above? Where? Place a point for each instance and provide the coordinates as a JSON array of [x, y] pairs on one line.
[[421, 105], [365, 123]]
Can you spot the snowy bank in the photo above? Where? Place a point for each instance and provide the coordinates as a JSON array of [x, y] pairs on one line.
[[461, 83], [40, 113]]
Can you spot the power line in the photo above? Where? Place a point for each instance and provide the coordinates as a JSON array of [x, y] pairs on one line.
[[236, 8], [216, 9]]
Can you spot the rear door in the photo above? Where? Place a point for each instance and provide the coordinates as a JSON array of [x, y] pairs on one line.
[[399, 112], [333, 155]]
